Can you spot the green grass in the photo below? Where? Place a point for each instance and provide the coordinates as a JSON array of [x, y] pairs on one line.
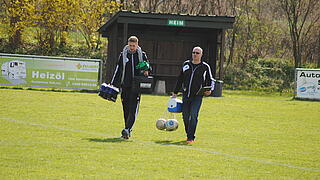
[[72, 135]]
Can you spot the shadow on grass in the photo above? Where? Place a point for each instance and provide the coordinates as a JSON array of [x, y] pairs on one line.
[[108, 140], [177, 143]]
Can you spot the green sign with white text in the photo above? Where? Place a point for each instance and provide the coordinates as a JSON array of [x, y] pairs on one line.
[[175, 22], [52, 73]]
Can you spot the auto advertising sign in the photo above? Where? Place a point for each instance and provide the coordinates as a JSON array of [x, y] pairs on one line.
[[52, 72], [307, 84]]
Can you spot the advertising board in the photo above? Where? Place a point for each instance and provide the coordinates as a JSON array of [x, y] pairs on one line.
[[307, 84], [52, 72]]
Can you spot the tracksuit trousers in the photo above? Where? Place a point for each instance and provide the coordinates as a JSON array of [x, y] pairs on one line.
[[130, 104], [190, 110]]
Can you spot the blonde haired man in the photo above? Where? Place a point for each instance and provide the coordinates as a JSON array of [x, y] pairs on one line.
[[125, 71]]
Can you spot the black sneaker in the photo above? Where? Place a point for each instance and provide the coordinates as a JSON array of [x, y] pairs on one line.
[[130, 130], [125, 134]]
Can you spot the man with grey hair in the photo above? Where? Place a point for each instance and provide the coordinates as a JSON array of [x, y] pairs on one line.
[[195, 74]]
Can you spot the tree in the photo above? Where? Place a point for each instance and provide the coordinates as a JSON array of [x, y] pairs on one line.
[[53, 19], [302, 15], [92, 15], [18, 15], [154, 4]]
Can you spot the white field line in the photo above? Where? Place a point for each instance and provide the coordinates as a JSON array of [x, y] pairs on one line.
[[177, 146]]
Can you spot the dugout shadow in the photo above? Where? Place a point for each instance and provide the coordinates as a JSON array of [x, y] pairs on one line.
[[178, 143], [107, 140]]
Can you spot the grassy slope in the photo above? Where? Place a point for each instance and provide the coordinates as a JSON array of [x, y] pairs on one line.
[[242, 135]]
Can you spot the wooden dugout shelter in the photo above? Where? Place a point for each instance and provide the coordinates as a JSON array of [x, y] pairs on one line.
[[168, 40]]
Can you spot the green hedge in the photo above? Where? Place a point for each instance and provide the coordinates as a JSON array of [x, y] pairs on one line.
[[267, 74]]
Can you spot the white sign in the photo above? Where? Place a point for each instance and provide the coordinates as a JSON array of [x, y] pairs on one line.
[[50, 72], [307, 84]]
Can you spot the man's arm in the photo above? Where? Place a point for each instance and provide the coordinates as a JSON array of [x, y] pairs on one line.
[[178, 84], [145, 58], [209, 81], [117, 75]]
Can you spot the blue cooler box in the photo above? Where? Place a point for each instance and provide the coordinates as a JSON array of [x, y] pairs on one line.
[[175, 105], [108, 92]]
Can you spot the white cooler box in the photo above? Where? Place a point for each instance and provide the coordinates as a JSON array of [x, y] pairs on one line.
[[175, 105]]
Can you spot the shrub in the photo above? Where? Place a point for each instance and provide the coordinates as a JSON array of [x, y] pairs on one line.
[[268, 74]]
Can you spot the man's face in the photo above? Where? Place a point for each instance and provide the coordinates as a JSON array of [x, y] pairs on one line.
[[196, 54], [133, 46]]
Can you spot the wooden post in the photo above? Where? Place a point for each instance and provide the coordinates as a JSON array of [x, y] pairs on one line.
[[125, 33], [223, 32], [318, 63]]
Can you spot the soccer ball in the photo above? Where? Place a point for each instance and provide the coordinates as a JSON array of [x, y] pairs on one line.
[[161, 124], [172, 125]]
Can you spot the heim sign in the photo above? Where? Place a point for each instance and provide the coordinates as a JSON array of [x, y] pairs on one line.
[[307, 84], [51, 72]]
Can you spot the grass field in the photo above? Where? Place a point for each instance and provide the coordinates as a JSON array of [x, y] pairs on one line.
[[243, 135]]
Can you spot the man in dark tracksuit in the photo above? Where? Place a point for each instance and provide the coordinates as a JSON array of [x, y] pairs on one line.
[[123, 77], [194, 75]]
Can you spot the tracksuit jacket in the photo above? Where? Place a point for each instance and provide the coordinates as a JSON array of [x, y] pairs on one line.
[[192, 79], [132, 61], [130, 99]]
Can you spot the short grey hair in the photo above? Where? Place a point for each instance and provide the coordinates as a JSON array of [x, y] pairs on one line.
[[199, 48]]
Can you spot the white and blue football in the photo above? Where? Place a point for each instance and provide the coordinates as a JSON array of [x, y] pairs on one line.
[[172, 125]]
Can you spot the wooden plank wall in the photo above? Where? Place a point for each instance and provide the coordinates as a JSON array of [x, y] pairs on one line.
[[167, 48]]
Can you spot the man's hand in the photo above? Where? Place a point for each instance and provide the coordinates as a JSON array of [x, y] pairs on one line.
[[146, 73], [174, 95], [207, 93]]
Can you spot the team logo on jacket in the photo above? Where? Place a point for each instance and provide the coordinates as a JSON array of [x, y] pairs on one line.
[[186, 67]]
